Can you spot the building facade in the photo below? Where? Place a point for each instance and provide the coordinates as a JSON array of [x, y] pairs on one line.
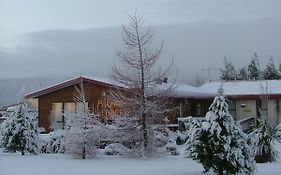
[[56, 100], [247, 100]]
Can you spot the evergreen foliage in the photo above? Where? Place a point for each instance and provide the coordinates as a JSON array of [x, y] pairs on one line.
[[20, 131], [271, 72], [220, 144], [243, 74], [251, 72], [228, 73], [254, 72]]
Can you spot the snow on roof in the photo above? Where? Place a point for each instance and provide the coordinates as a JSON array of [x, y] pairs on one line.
[[207, 90], [187, 91], [99, 80], [105, 80], [243, 87]]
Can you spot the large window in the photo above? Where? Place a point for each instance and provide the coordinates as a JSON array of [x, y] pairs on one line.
[[197, 110], [59, 109], [184, 109]]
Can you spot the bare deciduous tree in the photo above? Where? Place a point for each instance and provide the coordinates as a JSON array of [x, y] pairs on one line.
[[138, 72]]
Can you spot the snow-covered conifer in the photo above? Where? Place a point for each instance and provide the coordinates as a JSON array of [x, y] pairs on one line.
[[243, 74], [20, 131], [271, 72], [220, 144], [82, 126], [228, 73], [254, 72]]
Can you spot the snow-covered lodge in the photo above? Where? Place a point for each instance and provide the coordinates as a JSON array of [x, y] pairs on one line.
[[247, 100], [56, 99]]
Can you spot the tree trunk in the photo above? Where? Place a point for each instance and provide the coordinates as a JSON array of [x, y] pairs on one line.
[[220, 171], [22, 152], [145, 135], [84, 153]]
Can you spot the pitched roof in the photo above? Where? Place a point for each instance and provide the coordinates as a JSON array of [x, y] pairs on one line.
[[67, 83], [187, 91]]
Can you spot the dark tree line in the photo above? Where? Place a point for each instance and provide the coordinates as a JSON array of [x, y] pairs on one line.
[[251, 72]]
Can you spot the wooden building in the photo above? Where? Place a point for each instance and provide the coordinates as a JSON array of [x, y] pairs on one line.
[[57, 99], [247, 100]]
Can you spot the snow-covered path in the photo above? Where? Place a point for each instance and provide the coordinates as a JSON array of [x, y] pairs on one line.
[[46, 164]]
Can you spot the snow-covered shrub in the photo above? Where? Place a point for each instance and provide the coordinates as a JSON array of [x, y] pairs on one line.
[[161, 136], [171, 147], [128, 133], [116, 149], [125, 130], [54, 142], [220, 144], [264, 138], [168, 141], [20, 131], [192, 134], [78, 141]]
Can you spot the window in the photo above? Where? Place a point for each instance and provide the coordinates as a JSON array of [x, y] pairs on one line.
[[59, 109], [69, 107], [184, 109], [197, 109], [232, 108]]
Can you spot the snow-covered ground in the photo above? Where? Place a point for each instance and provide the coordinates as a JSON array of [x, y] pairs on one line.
[[46, 164]]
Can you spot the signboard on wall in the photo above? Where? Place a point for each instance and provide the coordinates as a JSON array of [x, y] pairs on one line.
[[107, 108], [248, 110]]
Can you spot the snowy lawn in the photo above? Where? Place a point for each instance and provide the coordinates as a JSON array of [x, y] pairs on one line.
[[46, 164]]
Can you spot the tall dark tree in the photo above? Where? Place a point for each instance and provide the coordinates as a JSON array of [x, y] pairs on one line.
[[243, 74], [228, 73], [254, 72], [271, 72]]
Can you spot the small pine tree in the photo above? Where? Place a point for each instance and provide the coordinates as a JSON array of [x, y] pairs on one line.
[[20, 131], [220, 144], [81, 136], [228, 73], [270, 72], [254, 72]]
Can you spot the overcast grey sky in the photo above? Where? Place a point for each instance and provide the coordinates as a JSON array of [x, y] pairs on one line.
[[54, 37], [25, 16]]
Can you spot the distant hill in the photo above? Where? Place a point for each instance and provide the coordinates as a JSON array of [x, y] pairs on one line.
[[12, 90]]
